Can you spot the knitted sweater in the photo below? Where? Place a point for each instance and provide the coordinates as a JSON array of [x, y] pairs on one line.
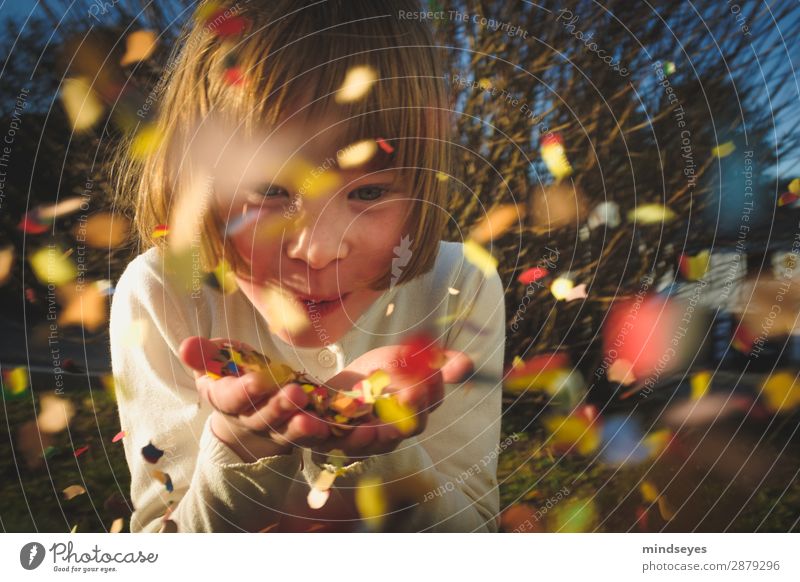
[[213, 489]]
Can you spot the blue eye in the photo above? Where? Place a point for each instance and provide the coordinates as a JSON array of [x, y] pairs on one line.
[[369, 193]]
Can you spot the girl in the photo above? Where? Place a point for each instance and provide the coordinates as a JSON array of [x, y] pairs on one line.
[[304, 144]]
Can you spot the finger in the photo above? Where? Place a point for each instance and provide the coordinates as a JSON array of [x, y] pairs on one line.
[[458, 366], [236, 394], [303, 430], [196, 351], [286, 402], [355, 441]]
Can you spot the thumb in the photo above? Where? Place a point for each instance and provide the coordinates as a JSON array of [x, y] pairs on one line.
[[197, 351], [458, 366]]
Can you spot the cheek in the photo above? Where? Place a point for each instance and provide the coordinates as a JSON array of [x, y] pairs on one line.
[[376, 236], [261, 256]]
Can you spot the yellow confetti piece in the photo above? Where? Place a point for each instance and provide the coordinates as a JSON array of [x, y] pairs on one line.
[[651, 214], [555, 158], [357, 154], [393, 412], [442, 177], [389, 309], [82, 105], [283, 312], [573, 516], [781, 392], [371, 502], [225, 277], [74, 529], [146, 141], [117, 525], [139, 46], [16, 380], [357, 83], [373, 385], [665, 509], [700, 384], [561, 288], [657, 441], [63, 208], [73, 491], [110, 385], [649, 492], [453, 291], [480, 257], [206, 11], [312, 183], [693, 268], [52, 266], [573, 431], [794, 186], [723, 150]]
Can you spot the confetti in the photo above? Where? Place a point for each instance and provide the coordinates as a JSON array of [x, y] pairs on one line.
[[371, 502], [700, 384], [573, 516], [604, 213], [84, 305], [119, 436], [442, 177], [52, 266], [357, 83], [160, 231], [478, 256], [73, 491], [30, 224], [152, 453], [163, 478], [794, 186], [60, 209], [320, 492], [621, 372], [577, 292], [723, 150], [74, 529], [567, 432], [693, 268], [81, 103], [225, 277], [234, 76], [393, 412], [623, 442], [372, 386], [453, 291], [532, 275], [313, 183], [651, 214], [117, 525], [555, 156], [669, 68], [103, 230], [56, 413], [80, 451], [498, 220], [223, 24], [389, 309], [15, 381], [356, 154], [781, 392], [788, 199], [139, 46], [146, 141], [284, 312], [384, 145], [562, 287]]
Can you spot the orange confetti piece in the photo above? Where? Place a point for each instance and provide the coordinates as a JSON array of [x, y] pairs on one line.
[[73, 491], [119, 436], [139, 46]]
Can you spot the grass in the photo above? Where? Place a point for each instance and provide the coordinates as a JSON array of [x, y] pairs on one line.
[[704, 498]]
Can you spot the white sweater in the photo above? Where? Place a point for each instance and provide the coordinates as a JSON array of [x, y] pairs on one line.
[[214, 490]]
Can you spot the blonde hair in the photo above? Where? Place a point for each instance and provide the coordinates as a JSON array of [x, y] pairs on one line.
[[298, 48]]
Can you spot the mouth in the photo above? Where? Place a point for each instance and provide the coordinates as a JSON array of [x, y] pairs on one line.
[[315, 304]]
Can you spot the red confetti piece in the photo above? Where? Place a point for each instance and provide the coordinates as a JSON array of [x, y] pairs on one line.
[[552, 139], [30, 225], [160, 231], [234, 76], [532, 275], [641, 519], [119, 436], [81, 450], [787, 198], [223, 26], [385, 146], [422, 356]]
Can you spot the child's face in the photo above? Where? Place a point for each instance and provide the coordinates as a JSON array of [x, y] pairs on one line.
[[335, 242]]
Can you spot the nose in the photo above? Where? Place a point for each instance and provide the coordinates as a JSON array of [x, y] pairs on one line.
[[319, 239]]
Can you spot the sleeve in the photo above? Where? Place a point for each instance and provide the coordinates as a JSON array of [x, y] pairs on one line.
[[456, 456], [198, 481]]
